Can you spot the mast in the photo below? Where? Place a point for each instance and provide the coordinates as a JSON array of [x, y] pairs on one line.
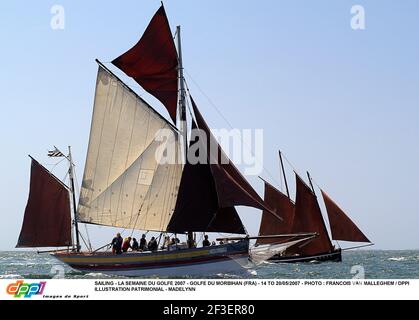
[[311, 183], [182, 96], [182, 110], [284, 174], [73, 196]]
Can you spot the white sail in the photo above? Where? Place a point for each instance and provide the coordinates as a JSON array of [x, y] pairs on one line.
[[124, 183], [264, 252]]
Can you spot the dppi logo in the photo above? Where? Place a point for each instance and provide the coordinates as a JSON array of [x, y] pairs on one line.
[[27, 290]]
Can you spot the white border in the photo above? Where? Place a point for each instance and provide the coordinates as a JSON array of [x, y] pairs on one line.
[[220, 289]]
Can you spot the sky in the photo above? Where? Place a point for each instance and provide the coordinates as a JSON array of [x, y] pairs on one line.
[[339, 102]]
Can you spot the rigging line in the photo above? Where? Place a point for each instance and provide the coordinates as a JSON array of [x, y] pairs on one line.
[[84, 241], [209, 99], [65, 177], [290, 164], [88, 237], [54, 164], [50, 164], [122, 232], [228, 123], [136, 219], [201, 238], [76, 180]]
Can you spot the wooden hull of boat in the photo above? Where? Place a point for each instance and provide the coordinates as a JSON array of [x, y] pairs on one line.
[[335, 256], [197, 261]]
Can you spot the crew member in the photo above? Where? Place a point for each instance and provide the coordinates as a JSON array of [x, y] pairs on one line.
[[143, 243], [152, 245], [206, 242], [126, 245], [117, 244], [135, 245]]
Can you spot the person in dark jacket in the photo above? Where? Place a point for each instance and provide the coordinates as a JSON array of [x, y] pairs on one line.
[[206, 242], [152, 245], [143, 243], [117, 244], [135, 245]]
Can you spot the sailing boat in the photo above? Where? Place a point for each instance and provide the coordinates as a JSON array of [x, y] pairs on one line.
[[129, 183], [304, 215]]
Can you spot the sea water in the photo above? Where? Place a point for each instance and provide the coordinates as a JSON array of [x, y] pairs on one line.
[[368, 264]]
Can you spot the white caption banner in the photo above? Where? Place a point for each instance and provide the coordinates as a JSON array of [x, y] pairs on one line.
[[218, 289]]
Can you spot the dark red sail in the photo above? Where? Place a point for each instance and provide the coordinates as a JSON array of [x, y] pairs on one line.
[[282, 206], [308, 218], [153, 62], [197, 206], [341, 225], [47, 220], [232, 188]]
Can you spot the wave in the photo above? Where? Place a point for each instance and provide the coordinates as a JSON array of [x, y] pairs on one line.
[[25, 264], [397, 259], [10, 276], [267, 263], [96, 275]]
